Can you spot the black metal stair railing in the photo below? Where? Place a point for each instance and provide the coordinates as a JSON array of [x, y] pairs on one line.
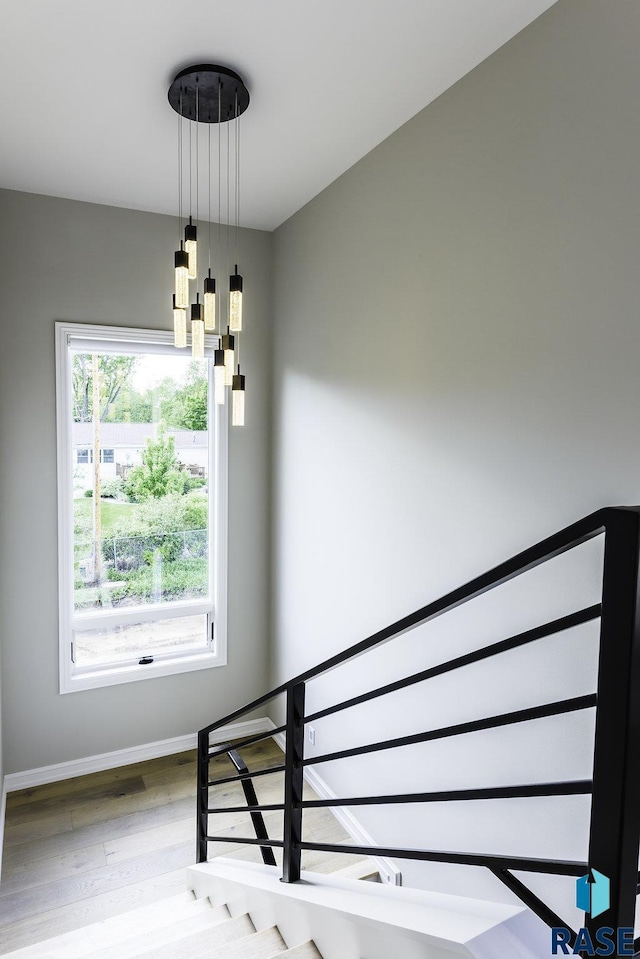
[[614, 835]]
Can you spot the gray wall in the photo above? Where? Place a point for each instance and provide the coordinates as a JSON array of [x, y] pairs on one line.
[[456, 376], [64, 260]]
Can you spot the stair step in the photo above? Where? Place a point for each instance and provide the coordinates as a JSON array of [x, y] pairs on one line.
[[203, 920], [266, 944], [358, 870], [307, 950], [216, 941], [60, 920], [117, 928]]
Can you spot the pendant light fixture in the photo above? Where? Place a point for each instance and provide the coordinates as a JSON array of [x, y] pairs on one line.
[[209, 94], [179, 325], [237, 405], [219, 377], [235, 302], [197, 329]]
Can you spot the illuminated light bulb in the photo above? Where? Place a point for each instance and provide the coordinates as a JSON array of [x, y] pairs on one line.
[[235, 302], [209, 304], [191, 248], [219, 375], [228, 345], [181, 261], [197, 331], [237, 403], [179, 325]]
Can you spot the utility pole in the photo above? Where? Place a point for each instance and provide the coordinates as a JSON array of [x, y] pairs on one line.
[[97, 517]]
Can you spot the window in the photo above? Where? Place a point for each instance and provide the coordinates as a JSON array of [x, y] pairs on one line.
[[142, 531]]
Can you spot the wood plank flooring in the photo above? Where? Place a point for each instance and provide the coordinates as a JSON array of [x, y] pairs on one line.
[[92, 847]]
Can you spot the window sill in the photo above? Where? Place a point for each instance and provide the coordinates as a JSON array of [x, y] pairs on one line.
[[113, 676]]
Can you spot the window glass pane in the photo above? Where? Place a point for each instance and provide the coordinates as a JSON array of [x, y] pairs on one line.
[[141, 507], [98, 647]]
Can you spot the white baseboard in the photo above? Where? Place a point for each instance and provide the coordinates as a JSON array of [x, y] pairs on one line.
[[387, 868], [127, 756]]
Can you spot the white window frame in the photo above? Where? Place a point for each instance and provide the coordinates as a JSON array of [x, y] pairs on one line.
[[94, 338]]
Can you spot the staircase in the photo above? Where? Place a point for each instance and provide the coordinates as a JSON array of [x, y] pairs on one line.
[[613, 839], [244, 909], [181, 927]]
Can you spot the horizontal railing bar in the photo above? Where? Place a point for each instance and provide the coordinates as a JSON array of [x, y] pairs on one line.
[[551, 867], [278, 843], [444, 732], [578, 788], [530, 899], [269, 807], [539, 632], [249, 775], [249, 741], [566, 539]]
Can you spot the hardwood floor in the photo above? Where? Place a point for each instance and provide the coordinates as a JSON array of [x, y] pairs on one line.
[[89, 848]]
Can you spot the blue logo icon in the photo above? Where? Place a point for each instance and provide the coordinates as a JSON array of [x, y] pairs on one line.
[[592, 893]]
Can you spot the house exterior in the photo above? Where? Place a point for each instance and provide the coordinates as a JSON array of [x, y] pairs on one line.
[[122, 446]]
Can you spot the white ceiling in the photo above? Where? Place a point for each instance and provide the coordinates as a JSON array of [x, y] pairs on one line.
[[84, 111]]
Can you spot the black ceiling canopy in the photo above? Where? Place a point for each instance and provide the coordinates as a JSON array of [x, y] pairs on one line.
[[209, 93]]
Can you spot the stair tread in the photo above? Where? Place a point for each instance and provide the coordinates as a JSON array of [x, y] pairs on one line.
[[357, 870], [116, 928], [25, 933], [307, 950], [266, 944], [140, 942], [204, 943]]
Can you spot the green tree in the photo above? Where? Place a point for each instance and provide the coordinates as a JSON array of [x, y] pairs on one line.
[[187, 407], [194, 405], [159, 473], [115, 373]]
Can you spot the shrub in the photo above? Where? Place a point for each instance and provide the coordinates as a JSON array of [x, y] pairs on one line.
[[194, 482], [138, 537], [88, 493], [112, 488], [158, 474], [180, 579]]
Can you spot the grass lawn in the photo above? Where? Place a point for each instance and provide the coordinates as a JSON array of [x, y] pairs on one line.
[[111, 511]]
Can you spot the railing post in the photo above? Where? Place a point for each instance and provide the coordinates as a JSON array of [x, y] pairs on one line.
[[202, 796], [615, 808], [293, 780]]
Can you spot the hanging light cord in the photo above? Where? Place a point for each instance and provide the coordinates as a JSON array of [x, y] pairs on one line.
[[220, 187], [197, 147], [209, 132], [228, 206], [237, 198], [238, 337], [180, 171]]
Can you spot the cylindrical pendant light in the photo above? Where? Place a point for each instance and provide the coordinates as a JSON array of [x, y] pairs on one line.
[[191, 248], [211, 94], [235, 302], [237, 401], [209, 304], [228, 345], [197, 330], [219, 374], [181, 261], [179, 325]]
